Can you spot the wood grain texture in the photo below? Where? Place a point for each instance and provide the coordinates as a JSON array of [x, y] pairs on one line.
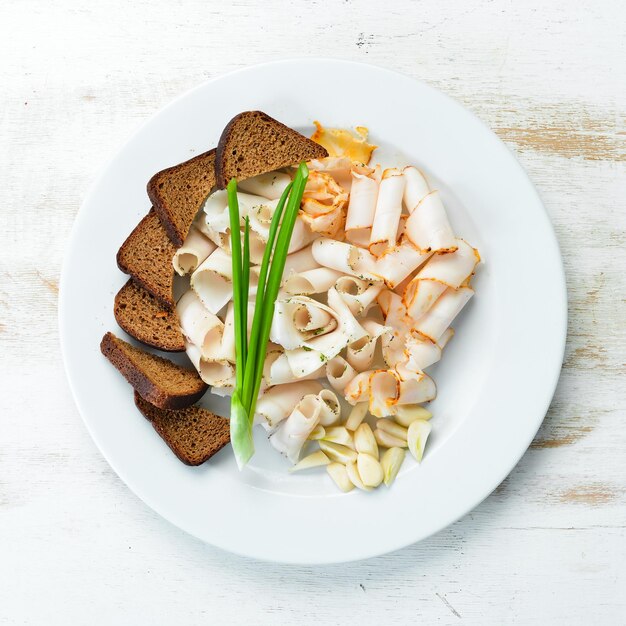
[[547, 547]]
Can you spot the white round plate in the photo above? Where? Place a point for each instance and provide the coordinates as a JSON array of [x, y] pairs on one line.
[[495, 381]]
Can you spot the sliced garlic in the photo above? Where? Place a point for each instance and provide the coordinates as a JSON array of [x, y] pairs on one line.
[[389, 426], [316, 459], [417, 436], [370, 471], [391, 462], [339, 434], [364, 441], [339, 474], [355, 479], [359, 411], [337, 452], [317, 433], [406, 414], [386, 440]]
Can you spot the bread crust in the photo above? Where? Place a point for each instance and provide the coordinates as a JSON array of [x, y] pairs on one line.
[[116, 351], [177, 230], [222, 175]]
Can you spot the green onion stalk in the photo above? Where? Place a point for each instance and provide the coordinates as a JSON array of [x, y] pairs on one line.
[[251, 354]]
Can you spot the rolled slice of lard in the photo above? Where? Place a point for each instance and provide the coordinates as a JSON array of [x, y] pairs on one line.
[[388, 210], [428, 227], [384, 392], [278, 402], [345, 258], [270, 185], [450, 269], [361, 208], [283, 371], [415, 187], [358, 389], [414, 387], [214, 373], [299, 319], [195, 249], [394, 265], [213, 280], [293, 432], [339, 373], [201, 327], [318, 280], [360, 353], [358, 294], [436, 321], [330, 410]]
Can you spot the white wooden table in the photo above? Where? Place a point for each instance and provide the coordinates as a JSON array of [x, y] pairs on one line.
[[547, 547]]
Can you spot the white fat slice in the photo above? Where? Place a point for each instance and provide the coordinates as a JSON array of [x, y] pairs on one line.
[[415, 189], [360, 353], [270, 185], [278, 402], [420, 352], [300, 261], [330, 410], [293, 432], [216, 211], [301, 237], [420, 295], [384, 391], [201, 327], [388, 210], [318, 280], [345, 258], [449, 269], [298, 319], [213, 373], [435, 322], [339, 373], [415, 387], [361, 209], [358, 294], [394, 265], [399, 325], [358, 389], [257, 248], [340, 168], [306, 366], [195, 249], [428, 227], [442, 342], [213, 280], [359, 237], [261, 218], [327, 224], [227, 348]]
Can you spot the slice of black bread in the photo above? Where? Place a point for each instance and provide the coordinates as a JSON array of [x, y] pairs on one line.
[[143, 317], [177, 193], [157, 380], [254, 143], [193, 434], [147, 256]]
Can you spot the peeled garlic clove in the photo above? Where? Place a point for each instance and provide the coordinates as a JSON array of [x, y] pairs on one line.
[[339, 474], [370, 471], [355, 479], [317, 459], [406, 414], [337, 452], [417, 436], [389, 426], [359, 411], [386, 440], [339, 434], [391, 462], [317, 433], [364, 441]]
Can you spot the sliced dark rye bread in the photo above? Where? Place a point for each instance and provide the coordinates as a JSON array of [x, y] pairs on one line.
[[178, 192], [254, 143], [194, 434], [157, 380], [147, 256], [143, 317]]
